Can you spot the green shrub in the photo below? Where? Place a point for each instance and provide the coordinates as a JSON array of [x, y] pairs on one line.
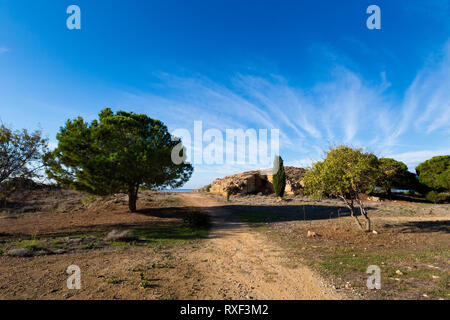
[[197, 220], [114, 281], [89, 246], [208, 188], [30, 244], [436, 197], [88, 199]]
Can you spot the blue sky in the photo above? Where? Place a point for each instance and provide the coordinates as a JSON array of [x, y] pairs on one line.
[[309, 68]]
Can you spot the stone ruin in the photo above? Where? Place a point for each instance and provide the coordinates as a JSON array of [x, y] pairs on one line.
[[258, 181]]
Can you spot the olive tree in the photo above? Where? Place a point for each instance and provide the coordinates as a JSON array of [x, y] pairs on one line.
[[20, 157], [345, 173], [120, 152]]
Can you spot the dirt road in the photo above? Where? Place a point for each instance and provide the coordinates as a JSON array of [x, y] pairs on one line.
[[239, 263]]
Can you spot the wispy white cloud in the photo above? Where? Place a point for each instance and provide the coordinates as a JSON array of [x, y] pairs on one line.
[[3, 50], [426, 106], [343, 109]]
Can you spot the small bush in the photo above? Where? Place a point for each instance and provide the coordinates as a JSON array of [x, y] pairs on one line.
[[197, 220], [30, 244], [436, 197], [208, 188], [114, 281], [89, 246], [88, 199], [144, 284]]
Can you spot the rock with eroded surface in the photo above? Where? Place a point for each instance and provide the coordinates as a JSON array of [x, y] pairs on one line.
[[258, 181]]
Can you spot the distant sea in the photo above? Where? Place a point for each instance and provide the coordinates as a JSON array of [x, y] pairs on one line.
[[179, 190]]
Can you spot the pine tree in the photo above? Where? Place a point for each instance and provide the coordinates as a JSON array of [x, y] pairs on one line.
[[118, 153]]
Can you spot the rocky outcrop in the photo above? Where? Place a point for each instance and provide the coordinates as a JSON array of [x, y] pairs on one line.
[[242, 183], [253, 182], [294, 178]]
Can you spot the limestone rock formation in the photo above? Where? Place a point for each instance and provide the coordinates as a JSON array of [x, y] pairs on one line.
[[258, 181]]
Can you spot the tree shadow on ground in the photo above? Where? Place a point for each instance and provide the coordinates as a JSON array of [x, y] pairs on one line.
[[265, 213], [172, 212], [403, 197], [421, 226], [169, 227], [146, 231]]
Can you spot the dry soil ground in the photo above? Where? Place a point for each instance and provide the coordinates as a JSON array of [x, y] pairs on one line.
[[411, 244], [257, 249]]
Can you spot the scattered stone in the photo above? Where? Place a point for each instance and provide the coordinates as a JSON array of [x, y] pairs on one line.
[[312, 234], [116, 235], [74, 241], [89, 239], [59, 251], [41, 253], [399, 272], [431, 266], [375, 232], [435, 277], [20, 252]]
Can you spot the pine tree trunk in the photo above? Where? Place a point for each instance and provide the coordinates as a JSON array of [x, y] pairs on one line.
[[132, 198]]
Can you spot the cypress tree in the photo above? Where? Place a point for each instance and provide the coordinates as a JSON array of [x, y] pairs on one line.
[[279, 176]]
